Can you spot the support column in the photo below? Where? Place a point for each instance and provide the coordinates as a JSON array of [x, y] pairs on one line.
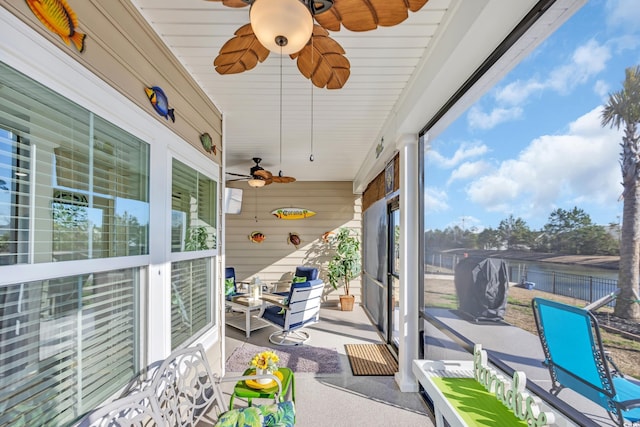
[[409, 227]]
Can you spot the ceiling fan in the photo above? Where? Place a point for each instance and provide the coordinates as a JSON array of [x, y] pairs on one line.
[[287, 27], [259, 177]]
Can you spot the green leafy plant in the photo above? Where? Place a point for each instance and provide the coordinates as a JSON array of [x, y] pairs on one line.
[[196, 239], [345, 264]]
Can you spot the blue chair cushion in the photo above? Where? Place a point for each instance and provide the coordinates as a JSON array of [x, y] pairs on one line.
[[310, 273], [273, 314]]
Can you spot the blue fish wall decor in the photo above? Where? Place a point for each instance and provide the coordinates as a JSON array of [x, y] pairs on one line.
[[160, 102]]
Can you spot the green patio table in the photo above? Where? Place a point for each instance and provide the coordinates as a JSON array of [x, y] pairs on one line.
[[244, 391]]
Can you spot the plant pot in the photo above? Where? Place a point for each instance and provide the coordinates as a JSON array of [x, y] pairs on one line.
[[346, 302]]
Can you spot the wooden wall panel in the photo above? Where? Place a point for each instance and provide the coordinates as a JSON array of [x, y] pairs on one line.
[[274, 259], [124, 51]]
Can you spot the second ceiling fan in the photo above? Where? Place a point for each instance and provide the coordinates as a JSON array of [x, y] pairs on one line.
[[259, 177]]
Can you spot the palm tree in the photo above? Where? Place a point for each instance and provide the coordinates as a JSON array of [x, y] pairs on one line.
[[623, 108]]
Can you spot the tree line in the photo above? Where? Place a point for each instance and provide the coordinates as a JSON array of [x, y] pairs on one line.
[[570, 232]]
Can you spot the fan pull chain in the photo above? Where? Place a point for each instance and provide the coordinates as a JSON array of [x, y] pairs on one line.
[[256, 215], [311, 159], [280, 172]]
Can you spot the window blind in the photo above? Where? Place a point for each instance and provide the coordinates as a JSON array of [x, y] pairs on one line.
[[66, 345]]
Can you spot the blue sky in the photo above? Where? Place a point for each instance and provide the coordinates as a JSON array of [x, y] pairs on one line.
[[534, 142]]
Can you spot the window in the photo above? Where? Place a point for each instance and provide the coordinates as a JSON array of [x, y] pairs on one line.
[[73, 187], [193, 228], [81, 182], [193, 215], [66, 345], [190, 299]]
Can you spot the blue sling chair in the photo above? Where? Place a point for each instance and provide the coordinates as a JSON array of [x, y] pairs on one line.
[[576, 359]]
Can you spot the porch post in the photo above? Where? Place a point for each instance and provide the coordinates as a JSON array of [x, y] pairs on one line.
[[407, 145]]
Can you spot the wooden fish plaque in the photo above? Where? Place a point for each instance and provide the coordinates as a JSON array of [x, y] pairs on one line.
[[292, 213]]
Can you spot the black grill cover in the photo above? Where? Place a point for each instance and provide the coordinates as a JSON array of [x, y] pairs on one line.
[[482, 286]]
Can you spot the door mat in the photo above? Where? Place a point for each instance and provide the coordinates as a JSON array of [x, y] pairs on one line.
[[371, 359], [299, 358]]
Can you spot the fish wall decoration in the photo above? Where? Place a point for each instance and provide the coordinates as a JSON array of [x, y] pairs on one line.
[[160, 102], [207, 143], [60, 19], [257, 237]]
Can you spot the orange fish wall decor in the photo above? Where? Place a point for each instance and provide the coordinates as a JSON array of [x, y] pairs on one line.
[[257, 237], [60, 19]]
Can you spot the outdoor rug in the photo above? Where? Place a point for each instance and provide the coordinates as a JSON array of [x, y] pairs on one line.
[[371, 359], [299, 358]]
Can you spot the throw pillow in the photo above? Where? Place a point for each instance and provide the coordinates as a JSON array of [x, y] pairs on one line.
[[299, 279], [285, 301], [245, 417], [229, 288]]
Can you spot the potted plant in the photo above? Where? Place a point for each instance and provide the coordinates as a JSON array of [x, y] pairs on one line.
[[345, 264]]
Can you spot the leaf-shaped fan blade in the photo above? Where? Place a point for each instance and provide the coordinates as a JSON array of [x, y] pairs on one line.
[[324, 63], [232, 3], [238, 174], [264, 174], [283, 179], [241, 53], [366, 15]]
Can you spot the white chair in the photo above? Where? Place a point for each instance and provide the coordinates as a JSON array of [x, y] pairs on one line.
[[300, 308], [184, 392], [138, 409]]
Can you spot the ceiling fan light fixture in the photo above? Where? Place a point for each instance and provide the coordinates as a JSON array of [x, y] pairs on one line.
[[256, 183], [281, 21]]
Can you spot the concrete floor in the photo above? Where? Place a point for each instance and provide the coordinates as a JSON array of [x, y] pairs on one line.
[[342, 399]]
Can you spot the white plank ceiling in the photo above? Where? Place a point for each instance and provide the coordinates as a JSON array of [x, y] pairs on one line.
[[387, 66]]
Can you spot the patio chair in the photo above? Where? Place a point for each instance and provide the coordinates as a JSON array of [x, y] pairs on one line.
[[138, 409], [300, 308], [576, 359], [188, 393], [230, 283], [184, 392]]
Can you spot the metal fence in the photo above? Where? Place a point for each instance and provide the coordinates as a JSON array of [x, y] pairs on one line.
[[586, 288], [583, 287]]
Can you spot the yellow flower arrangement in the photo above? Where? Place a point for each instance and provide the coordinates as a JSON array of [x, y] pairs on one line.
[[266, 360]]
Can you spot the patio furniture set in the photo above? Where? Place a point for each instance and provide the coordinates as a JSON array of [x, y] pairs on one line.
[[289, 311], [182, 391]]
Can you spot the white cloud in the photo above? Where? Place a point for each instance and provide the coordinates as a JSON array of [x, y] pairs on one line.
[[481, 120], [602, 89], [518, 91], [435, 200], [586, 61], [466, 150], [468, 170], [555, 169], [623, 14]]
